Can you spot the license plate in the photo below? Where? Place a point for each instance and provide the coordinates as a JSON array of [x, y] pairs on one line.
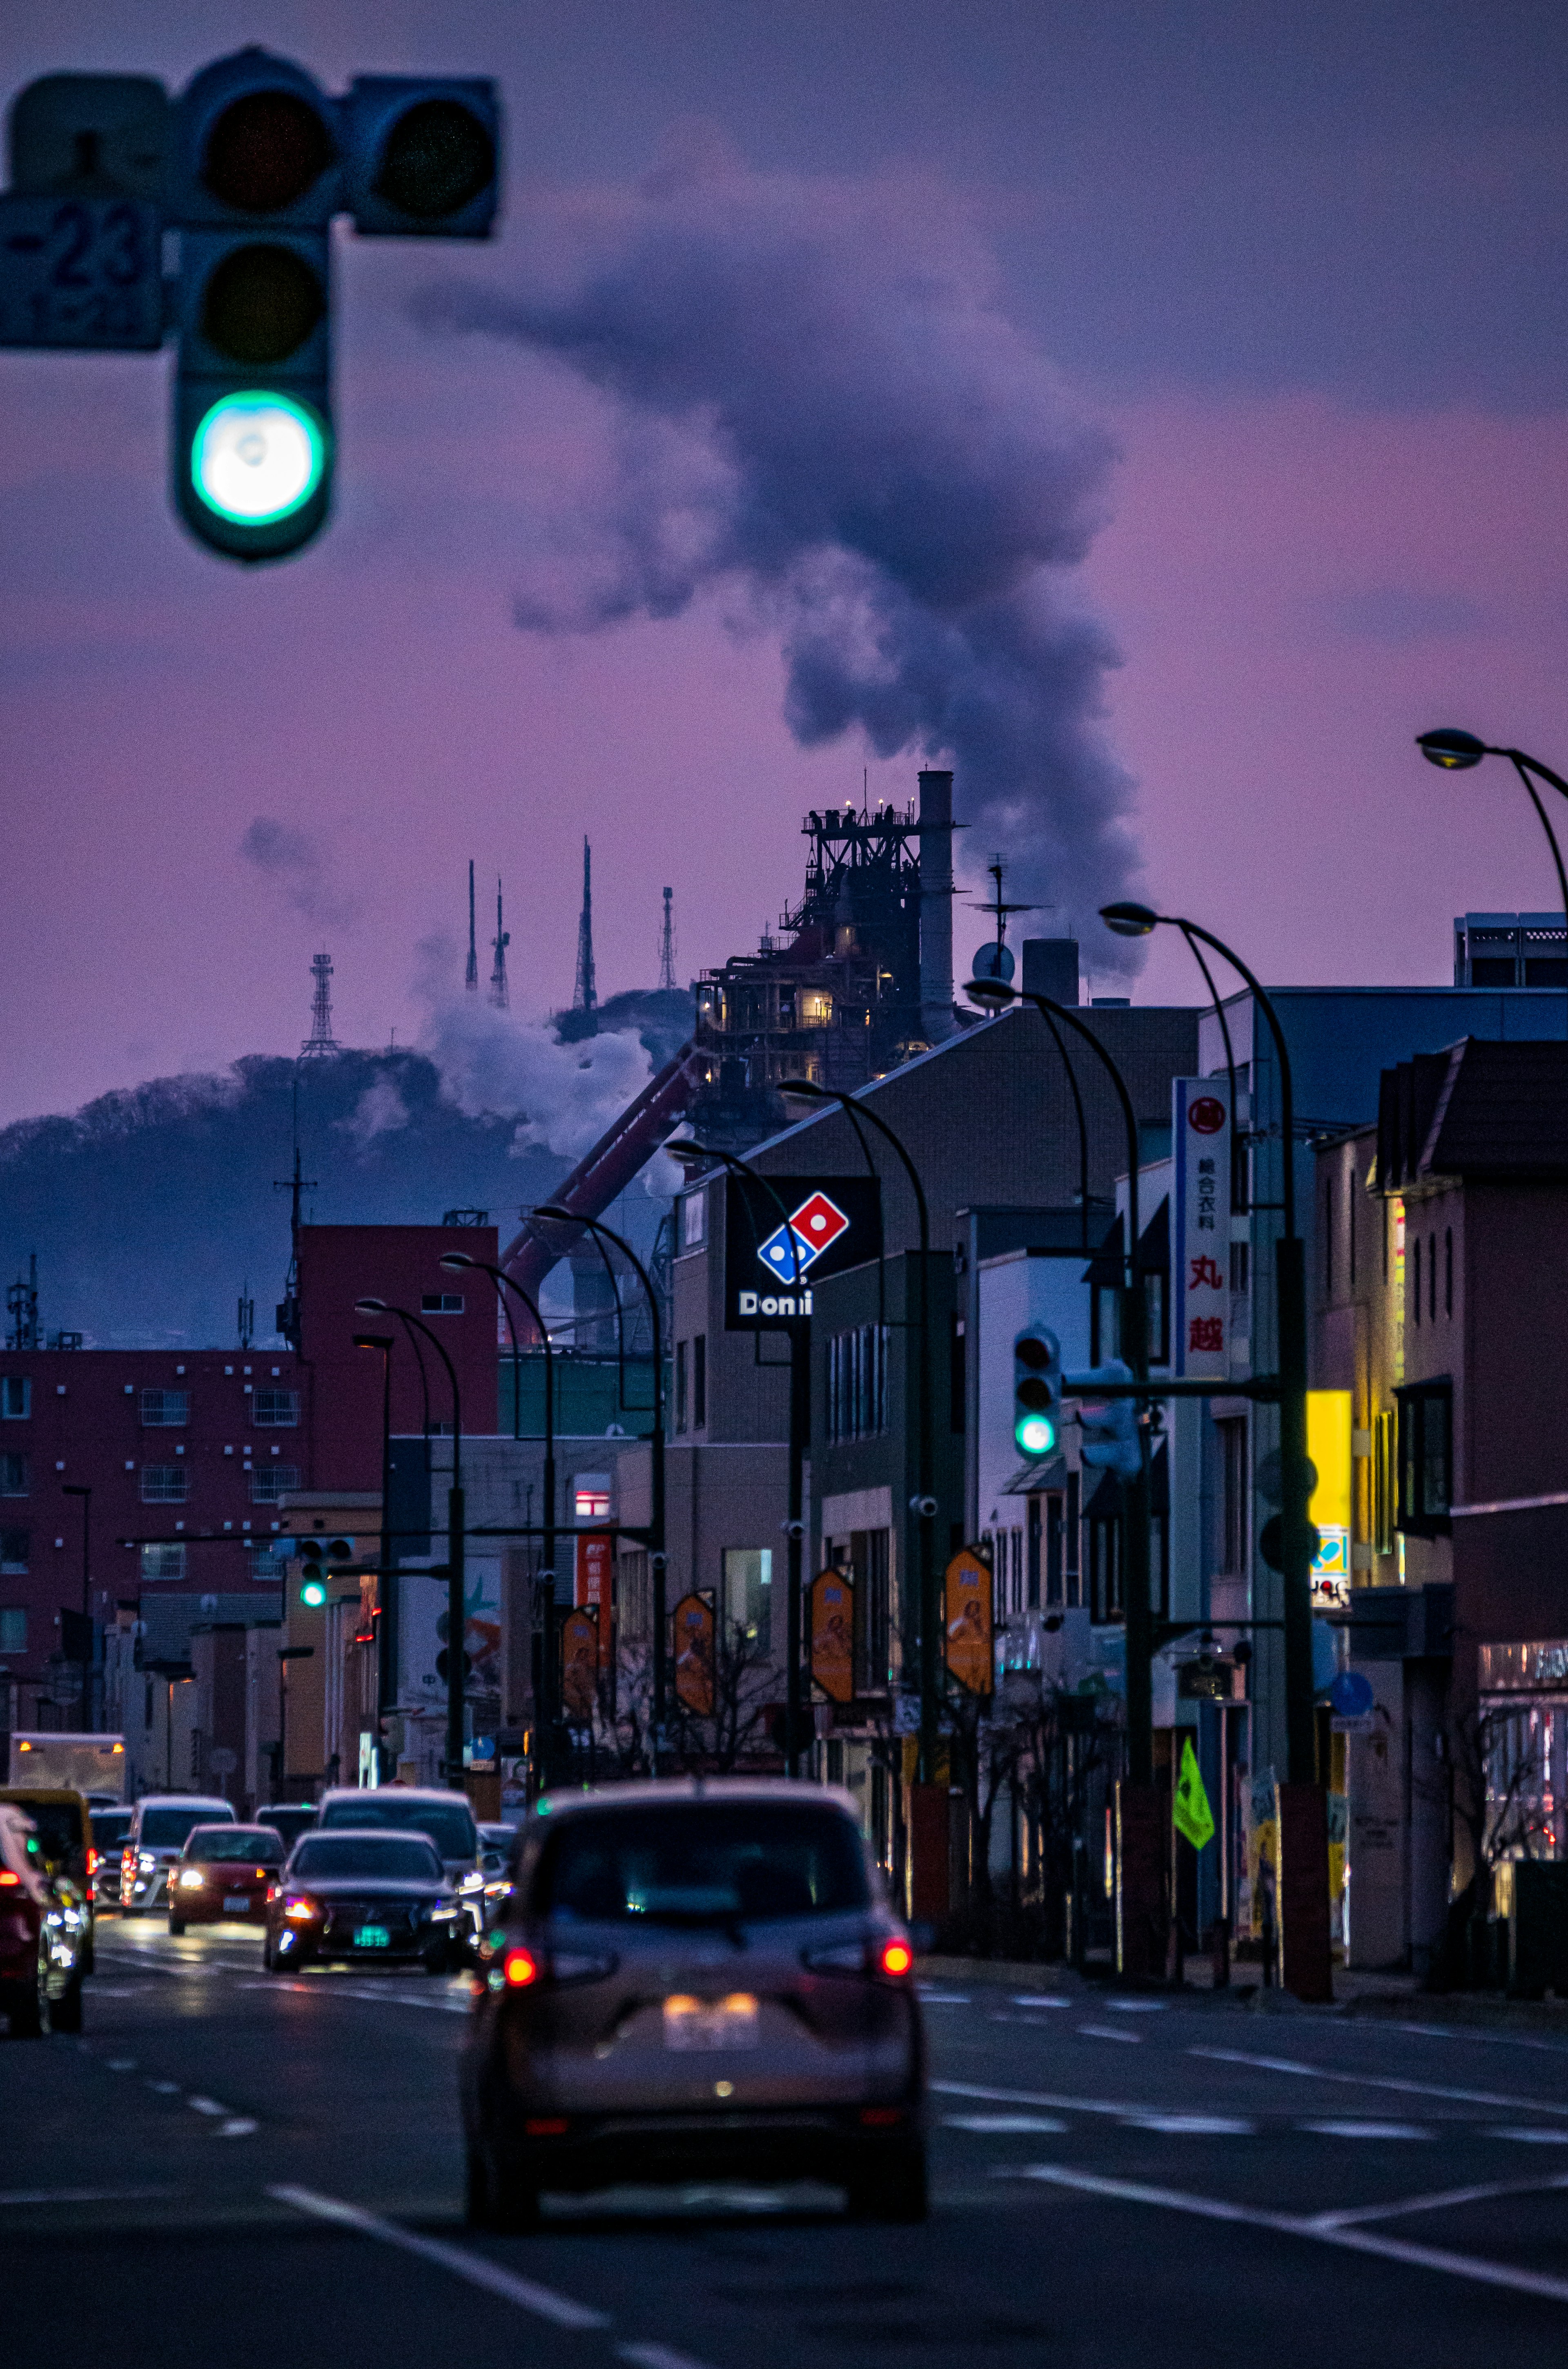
[[236, 1900], [371, 1937], [706, 2025]]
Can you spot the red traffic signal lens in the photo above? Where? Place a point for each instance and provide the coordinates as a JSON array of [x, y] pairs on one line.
[[261, 303], [265, 151], [896, 1958], [439, 157], [521, 1968]]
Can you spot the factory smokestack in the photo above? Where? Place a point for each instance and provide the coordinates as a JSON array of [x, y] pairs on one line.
[[936, 906]]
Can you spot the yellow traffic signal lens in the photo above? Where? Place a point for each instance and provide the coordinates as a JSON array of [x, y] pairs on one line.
[[439, 157], [261, 303], [257, 458]]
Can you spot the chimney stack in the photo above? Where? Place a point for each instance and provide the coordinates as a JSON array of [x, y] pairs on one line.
[[936, 906]]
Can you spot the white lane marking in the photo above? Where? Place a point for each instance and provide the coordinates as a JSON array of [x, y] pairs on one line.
[[164, 2089], [1376, 2080], [238, 2126], [1481, 2193], [1119, 2107], [1360, 2241], [1040, 1999], [656, 2356], [122, 2065], [1217, 2126], [562, 2311], [942, 1999], [1532, 2138], [205, 2105], [1136, 2006], [361, 1991], [1368, 2130], [1108, 2032], [1002, 2125], [80, 2195]]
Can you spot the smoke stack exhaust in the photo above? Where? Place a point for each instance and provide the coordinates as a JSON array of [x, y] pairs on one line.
[[936, 906]]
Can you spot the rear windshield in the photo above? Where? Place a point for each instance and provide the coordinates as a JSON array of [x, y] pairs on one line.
[[166, 1829], [110, 1828], [449, 1825], [289, 1823], [390, 1859], [703, 1863], [59, 1825], [220, 1845]]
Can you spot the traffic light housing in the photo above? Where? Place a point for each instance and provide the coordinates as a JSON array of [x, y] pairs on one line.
[[422, 157], [1110, 1439], [1037, 1391], [255, 175], [320, 1560]]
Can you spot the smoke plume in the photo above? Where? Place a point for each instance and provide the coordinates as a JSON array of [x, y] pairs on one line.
[[818, 407], [293, 859]]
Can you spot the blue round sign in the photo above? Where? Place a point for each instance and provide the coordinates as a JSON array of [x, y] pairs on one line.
[[1351, 1695]]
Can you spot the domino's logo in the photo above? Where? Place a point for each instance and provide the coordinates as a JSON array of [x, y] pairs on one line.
[[791, 1250]]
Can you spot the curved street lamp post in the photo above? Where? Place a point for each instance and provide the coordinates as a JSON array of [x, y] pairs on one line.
[[386, 1638], [1456, 753]]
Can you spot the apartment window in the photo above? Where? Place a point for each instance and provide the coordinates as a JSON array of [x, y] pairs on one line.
[[13, 1476], [13, 1629], [16, 1398], [870, 1566], [700, 1382], [279, 1411], [166, 1409], [440, 1303], [14, 1545], [273, 1480], [1383, 1484], [1425, 1430], [694, 1212], [1233, 1495], [1415, 1271], [1448, 1270], [679, 1386], [749, 1595], [857, 1382], [163, 1563], [163, 1484]]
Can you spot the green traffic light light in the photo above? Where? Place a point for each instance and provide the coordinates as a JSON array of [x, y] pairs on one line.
[[314, 1594], [1036, 1434], [257, 457]]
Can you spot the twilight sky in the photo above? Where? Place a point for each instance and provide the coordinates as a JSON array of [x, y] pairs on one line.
[[1261, 306]]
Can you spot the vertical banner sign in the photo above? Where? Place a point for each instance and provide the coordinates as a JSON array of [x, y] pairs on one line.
[[833, 1635], [1190, 1812], [595, 1587], [694, 1654], [1200, 1142], [579, 1663], [967, 1594]]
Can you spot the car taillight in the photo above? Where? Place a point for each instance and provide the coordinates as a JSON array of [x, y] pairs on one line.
[[519, 1967], [92, 1862], [896, 1957], [7, 1878]]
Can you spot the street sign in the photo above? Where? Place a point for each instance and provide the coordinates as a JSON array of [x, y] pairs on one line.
[[1190, 1812], [81, 274]]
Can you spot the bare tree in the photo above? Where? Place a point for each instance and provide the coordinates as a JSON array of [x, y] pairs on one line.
[[745, 1685]]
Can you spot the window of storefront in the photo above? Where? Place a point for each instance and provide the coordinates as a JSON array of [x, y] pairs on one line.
[[1425, 1431]]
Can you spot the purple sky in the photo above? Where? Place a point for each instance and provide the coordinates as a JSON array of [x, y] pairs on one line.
[[1304, 268]]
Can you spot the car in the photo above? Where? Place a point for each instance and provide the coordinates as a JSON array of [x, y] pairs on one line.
[[495, 1846], [367, 1893], [62, 1822], [696, 1979], [44, 1934], [445, 1817], [223, 1875], [159, 1825], [290, 1819], [110, 1827]]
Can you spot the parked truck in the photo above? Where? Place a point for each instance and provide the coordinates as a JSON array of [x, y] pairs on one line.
[[93, 1766]]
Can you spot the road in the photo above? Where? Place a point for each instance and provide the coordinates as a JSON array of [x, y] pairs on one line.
[[229, 2167]]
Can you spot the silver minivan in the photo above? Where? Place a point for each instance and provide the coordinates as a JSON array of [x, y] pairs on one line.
[[161, 1825], [695, 1980]]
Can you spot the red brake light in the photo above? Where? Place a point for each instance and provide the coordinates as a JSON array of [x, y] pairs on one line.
[[92, 1860], [6, 1877], [520, 1967], [896, 1958], [545, 2126]]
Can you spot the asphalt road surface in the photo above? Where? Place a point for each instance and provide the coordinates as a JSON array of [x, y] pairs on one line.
[[230, 2167]]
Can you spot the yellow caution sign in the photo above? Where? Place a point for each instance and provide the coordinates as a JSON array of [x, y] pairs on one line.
[[1190, 1812]]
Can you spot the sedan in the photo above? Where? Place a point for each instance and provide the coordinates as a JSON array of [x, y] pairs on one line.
[[372, 1895], [695, 1980], [223, 1876]]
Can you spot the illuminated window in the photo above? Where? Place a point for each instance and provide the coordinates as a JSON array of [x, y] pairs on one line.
[[815, 1008], [592, 1504]]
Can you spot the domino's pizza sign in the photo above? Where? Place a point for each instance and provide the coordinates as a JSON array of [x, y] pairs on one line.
[[772, 1264]]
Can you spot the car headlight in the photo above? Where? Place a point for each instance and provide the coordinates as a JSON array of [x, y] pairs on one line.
[[473, 1882], [301, 1908], [145, 1861], [191, 1879]]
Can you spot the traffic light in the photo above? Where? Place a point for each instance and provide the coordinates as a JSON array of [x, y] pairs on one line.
[[1110, 1430], [255, 178], [1036, 1391], [319, 1559], [422, 157]]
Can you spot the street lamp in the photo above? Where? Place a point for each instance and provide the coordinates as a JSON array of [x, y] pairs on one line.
[[922, 1504], [83, 1491], [386, 1671], [456, 1261], [1456, 753], [456, 1598], [555, 1215], [799, 1428], [1131, 920]]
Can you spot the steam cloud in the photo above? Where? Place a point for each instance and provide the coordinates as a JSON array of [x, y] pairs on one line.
[[818, 404], [295, 861]]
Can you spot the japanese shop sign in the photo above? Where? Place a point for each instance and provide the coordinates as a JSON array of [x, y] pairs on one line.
[[1200, 1248]]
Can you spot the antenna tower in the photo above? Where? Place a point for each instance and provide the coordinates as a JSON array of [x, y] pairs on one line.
[[667, 943], [21, 1307], [503, 941], [585, 997], [321, 1039], [471, 978]]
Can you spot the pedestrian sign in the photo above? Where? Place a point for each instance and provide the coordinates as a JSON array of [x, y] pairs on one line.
[[1190, 1812]]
